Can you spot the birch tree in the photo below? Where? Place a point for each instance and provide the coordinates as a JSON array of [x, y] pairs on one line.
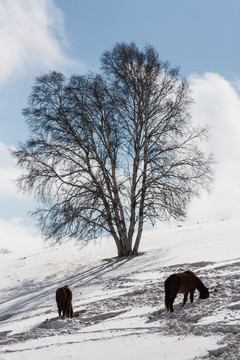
[[109, 152]]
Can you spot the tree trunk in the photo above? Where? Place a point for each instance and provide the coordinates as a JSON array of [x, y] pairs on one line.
[[138, 238], [124, 247], [141, 207]]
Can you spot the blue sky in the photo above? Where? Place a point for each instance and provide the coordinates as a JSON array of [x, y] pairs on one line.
[[202, 37], [199, 36]]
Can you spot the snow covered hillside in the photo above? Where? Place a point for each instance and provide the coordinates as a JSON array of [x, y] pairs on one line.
[[119, 304]]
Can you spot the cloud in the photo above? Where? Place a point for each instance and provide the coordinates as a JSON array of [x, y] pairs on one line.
[[32, 37], [15, 236], [217, 104], [9, 173]]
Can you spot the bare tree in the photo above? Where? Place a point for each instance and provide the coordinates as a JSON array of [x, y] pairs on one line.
[[111, 151]]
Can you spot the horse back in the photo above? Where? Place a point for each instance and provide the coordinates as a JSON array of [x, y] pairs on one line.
[[181, 282], [189, 281]]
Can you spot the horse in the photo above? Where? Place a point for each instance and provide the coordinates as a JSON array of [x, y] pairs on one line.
[[184, 283], [64, 301]]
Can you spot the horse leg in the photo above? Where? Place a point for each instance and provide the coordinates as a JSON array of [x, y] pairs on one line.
[[60, 299], [65, 304], [68, 307], [171, 285], [172, 298], [65, 310], [185, 298], [192, 295], [70, 310], [171, 304], [60, 307]]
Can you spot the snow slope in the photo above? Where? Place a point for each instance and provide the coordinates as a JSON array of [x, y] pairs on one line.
[[119, 304]]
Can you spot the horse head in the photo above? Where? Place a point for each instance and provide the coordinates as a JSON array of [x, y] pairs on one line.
[[204, 293]]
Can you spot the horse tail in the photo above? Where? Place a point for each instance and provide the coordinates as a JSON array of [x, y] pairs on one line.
[[167, 293]]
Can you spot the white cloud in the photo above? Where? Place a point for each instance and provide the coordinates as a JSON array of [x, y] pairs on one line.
[[15, 236], [31, 38], [9, 173], [217, 104]]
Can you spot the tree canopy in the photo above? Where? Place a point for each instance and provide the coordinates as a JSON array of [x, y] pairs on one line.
[[111, 151]]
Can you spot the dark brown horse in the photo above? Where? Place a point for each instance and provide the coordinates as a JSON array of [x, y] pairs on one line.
[[184, 283], [64, 301]]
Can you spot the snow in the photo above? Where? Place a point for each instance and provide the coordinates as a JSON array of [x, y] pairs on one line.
[[118, 304]]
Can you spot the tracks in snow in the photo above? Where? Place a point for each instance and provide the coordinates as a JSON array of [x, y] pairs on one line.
[[137, 300]]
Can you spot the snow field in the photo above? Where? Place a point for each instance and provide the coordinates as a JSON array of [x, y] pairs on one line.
[[119, 303]]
